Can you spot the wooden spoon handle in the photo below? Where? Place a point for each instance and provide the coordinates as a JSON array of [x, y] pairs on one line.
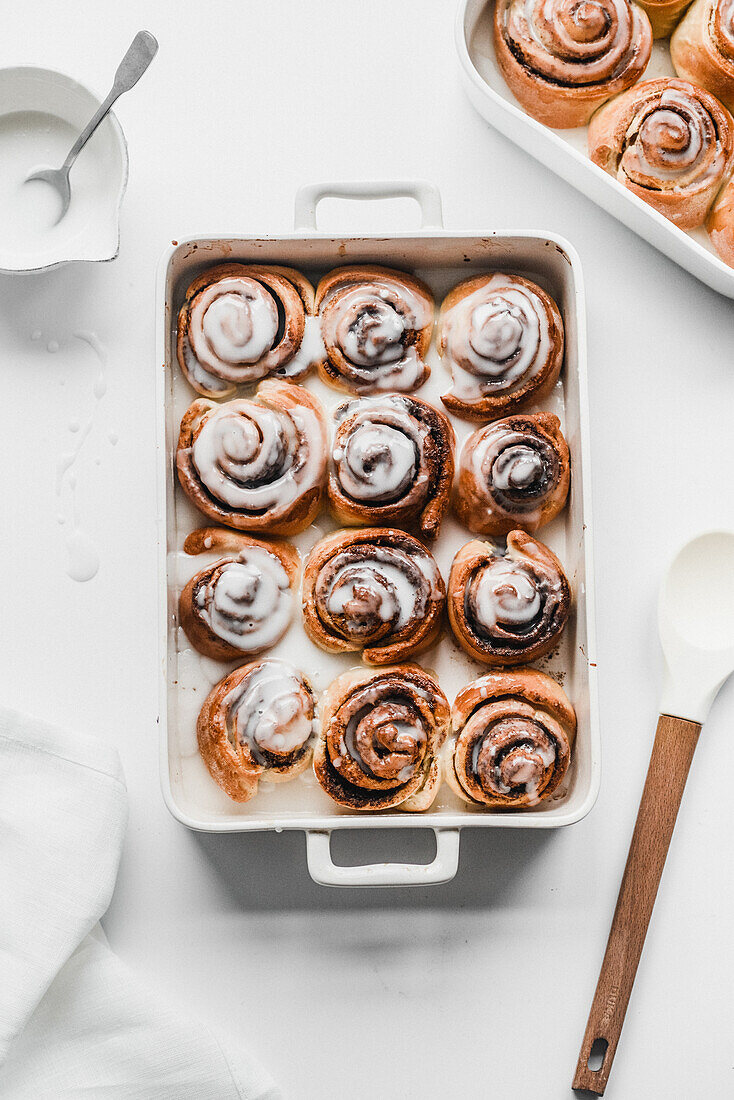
[[675, 743]]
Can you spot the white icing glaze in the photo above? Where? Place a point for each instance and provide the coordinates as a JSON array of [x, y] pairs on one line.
[[249, 603], [682, 134], [506, 593], [370, 331], [497, 339], [245, 455], [393, 585], [197, 373], [378, 462], [271, 709], [310, 351]]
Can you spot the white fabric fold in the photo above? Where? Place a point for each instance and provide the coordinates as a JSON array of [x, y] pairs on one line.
[[74, 1022]]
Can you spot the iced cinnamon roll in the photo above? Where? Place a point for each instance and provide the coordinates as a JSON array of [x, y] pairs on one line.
[[242, 322], [512, 738], [380, 739], [501, 337], [507, 608], [257, 723], [702, 48], [376, 325], [243, 603], [668, 142], [392, 463], [259, 464], [513, 473], [375, 590], [562, 58]]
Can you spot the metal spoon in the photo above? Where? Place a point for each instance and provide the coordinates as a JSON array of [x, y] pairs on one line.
[[141, 52], [696, 623]]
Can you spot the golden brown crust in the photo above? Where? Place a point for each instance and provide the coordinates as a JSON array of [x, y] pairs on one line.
[[513, 733], [720, 224], [392, 464], [380, 739], [513, 368], [702, 48], [259, 608], [289, 294], [376, 323], [507, 609], [663, 14], [514, 472], [273, 489], [561, 59], [633, 139], [241, 734], [355, 586]]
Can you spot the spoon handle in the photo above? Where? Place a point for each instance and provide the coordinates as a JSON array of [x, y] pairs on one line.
[[140, 53], [672, 753]]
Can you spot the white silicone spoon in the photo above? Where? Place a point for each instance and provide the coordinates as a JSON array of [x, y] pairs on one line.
[[696, 623]]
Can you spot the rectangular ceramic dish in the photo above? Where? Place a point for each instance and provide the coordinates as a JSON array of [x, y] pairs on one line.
[[442, 258], [564, 151]]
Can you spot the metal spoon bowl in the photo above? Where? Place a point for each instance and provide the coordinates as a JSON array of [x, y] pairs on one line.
[[141, 52]]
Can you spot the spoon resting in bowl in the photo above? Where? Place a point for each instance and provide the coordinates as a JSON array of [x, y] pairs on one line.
[[141, 52]]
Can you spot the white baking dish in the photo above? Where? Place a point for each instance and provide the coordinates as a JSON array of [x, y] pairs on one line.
[[442, 258], [564, 151]]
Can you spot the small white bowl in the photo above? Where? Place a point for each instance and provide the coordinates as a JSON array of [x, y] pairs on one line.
[[90, 230]]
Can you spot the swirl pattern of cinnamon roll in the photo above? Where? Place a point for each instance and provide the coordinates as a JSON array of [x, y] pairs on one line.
[[376, 324], [257, 723], [513, 473], [670, 143], [513, 733], [380, 739], [393, 463], [242, 322], [563, 58], [243, 603], [377, 590], [506, 609], [702, 48], [256, 465], [502, 338]]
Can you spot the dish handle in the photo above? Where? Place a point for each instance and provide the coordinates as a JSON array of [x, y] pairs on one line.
[[323, 870], [425, 194]]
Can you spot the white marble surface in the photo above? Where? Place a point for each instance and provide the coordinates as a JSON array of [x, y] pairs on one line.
[[481, 987]]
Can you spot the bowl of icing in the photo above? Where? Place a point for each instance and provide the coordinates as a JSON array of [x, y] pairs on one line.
[[41, 114]]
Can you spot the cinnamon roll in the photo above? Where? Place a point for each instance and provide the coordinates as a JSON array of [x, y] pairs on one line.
[[380, 738], [242, 322], [376, 325], [502, 338], [562, 58], [507, 608], [663, 14], [258, 464], [668, 142], [257, 723], [513, 733], [376, 590], [513, 473], [720, 224], [243, 603], [702, 48], [392, 463]]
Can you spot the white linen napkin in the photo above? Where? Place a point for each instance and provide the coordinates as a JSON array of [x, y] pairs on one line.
[[73, 1020]]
